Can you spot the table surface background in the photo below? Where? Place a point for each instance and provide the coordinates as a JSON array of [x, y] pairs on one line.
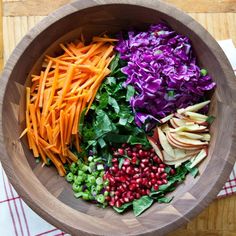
[[217, 16]]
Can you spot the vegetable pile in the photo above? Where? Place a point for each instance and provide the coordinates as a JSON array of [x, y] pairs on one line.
[[163, 70], [57, 97], [123, 119]]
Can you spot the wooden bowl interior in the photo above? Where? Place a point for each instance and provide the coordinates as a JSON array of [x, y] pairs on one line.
[[94, 21]]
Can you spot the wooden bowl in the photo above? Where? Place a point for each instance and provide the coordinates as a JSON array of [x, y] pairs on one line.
[[50, 195]]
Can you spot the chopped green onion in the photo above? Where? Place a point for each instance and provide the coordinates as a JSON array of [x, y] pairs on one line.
[[203, 72], [70, 177], [210, 119]]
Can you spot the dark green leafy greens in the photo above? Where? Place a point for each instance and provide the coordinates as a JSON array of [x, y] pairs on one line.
[[110, 120]]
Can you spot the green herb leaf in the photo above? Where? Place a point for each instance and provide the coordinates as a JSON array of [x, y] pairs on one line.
[[101, 142], [121, 161], [165, 199], [167, 169], [142, 204], [203, 72], [193, 171], [171, 93], [110, 80], [123, 121], [130, 92], [114, 63], [210, 119], [112, 101], [123, 207]]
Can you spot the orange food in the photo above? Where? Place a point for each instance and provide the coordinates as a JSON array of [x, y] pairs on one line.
[[59, 94]]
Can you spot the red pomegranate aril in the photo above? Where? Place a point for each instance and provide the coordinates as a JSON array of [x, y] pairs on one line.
[[137, 195], [121, 188], [113, 188], [129, 193], [132, 187], [126, 162], [149, 184], [129, 153], [164, 175], [139, 181], [118, 193], [112, 203], [134, 160], [124, 185], [159, 182], [118, 204], [126, 199], [129, 170], [142, 165], [160, 170], [172, 171], [146, 169], [134, 149], [143, 192], [148, 191], [137, 170], [136, 176], [121, 151], [114, 169], [114, 160], [154, 168], [137, 186], [131, 198], [162, 165], [138, 146], [157, 175], [155, 187], [108, 188], [155, 159], [141, 153], [122, 201], [124, 145], [123, 168], [164, 181], [144, 181], [108, 198], [153, 181], [152, 175]]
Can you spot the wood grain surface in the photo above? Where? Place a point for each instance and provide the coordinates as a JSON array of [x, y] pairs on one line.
[[218, 17]]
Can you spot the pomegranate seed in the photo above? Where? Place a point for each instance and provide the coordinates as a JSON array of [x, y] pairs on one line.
[[137, 185], [115, 165], [136, 169], [116, 197], [139, 181], [126, 162], [129, 193], [164, 181], [122, 201], [160, 170], [134, 149], [129, 170], [108, 198], [129, 153], [136, 176], [141, 153], [134, 160], [138, 146], [112, 203], [133, 181], [131, 198], [154, 168], [142, 165], [162, 165], [159, 182], [126, 199], [148, 191], [143, 192], [132, 187], [123, 168], [157, 175], [164, 175], [152, 155], [114, 169], [172, 171], [155, 187], [153, 181], [137, 195], [114, 160], [121, 188], [121, 151], [149, 184], [155, 159], [152, 175], [144, 181], [152, 150], [117, 193], [124, 145], [108, 188], [124, 185], [118, 203]]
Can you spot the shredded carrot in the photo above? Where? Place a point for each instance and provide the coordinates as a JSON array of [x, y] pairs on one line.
[[66, 86]]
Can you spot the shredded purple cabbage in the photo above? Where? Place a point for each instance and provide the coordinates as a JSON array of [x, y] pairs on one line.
[[163, 70]]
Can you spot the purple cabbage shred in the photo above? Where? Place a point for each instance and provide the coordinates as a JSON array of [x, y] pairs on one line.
[[163, 70]]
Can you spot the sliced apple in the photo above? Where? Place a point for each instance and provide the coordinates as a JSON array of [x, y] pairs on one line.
[[173, 124], [178, 122], [179, 161], [187, 141], [165, 128], [167, 118], [164, 143], [191, 135], [156, 147], [179, 145], [194, 108], [198, 158], [196, 115], [180, 153], [192, 128], [206, 137]]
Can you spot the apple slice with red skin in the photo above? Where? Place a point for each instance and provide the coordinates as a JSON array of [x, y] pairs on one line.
[[187, 141], [176, 144], [156, 148]]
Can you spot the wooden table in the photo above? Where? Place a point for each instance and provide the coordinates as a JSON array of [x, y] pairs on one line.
[[218, 16]]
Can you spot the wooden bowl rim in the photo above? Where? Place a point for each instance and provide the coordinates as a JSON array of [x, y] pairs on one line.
[[45, 208]]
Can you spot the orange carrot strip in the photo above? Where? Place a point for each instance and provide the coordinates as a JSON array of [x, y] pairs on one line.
[[34, 147], [67, 83], [70, 122], [66, 50], [42, 154], [34, 121], [77, 143], [43, 83], [62, 130], [23, 133], [72, 156]]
